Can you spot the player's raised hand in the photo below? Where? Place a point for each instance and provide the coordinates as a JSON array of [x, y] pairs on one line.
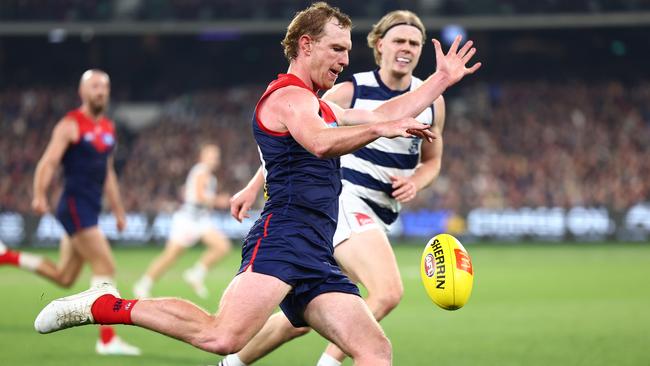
[[241, 202], [404, 188], [405, 127], [39, 205], [454, 63]]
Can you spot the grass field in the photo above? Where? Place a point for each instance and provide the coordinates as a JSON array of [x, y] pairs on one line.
[[560, 304]]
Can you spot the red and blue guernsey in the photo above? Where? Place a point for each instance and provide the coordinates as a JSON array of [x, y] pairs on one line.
[[292, 239], [84, 170]]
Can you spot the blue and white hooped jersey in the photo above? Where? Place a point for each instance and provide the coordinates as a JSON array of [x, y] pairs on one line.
[[367, 171]]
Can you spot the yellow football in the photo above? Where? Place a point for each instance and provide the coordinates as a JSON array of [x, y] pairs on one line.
[[446, 271]]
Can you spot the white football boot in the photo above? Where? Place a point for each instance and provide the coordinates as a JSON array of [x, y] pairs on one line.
[[116, 347], [71, 311], [196, 281]]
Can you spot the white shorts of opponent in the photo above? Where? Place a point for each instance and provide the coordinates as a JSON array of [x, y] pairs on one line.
[[355, 216], [188, 227]]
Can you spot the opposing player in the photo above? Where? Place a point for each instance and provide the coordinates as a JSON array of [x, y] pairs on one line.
[[376, 179], [287, 257], [83, 141], [193, 223]]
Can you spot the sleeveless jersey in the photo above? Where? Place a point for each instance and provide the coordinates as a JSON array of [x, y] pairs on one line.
[[366, 172], [190, 196], [85, 161], [294, 177]]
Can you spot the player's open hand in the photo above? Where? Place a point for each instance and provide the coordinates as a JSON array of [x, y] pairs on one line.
[[405, 127], [454, 63], [40, 206], [404, 188], [241, 202]]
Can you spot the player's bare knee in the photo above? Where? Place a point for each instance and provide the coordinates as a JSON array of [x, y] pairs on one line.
[[222, 344], [221, 340], [388, 299]]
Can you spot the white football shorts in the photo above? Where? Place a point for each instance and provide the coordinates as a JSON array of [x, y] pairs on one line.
[[188, 227], [355, 216]]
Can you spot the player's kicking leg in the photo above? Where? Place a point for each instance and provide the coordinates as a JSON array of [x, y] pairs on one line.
[[217, 246], [245, 306], [92, 246], [173, 250]]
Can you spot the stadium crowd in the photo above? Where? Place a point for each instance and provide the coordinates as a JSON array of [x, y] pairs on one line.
[[512, 144]]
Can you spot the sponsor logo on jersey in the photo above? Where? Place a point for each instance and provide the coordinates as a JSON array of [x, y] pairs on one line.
[[429, 266], [363, 219], [89, 136]]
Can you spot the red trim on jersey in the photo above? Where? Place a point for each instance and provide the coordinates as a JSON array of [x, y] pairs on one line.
[[73, 212], [259, 241], [96, 129], [327, 113], [266, 225], [282, 81]]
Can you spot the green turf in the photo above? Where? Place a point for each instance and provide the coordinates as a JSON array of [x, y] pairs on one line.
[[532, 305]]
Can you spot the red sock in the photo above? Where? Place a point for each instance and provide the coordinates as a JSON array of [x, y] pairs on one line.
[[10, 257], [106, 333], [108, 309]]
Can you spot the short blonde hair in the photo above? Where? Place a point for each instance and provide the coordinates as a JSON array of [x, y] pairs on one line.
[[390, 20], [311, 22]]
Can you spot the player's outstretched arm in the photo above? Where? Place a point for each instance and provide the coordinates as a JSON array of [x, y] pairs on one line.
[[296, 110], [450, 69], [112, 190], [65, 132], [243, 200]]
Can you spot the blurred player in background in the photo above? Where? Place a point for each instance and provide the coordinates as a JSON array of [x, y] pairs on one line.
[[83, 141], [193, 223], [287, 257], [376, 179]]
